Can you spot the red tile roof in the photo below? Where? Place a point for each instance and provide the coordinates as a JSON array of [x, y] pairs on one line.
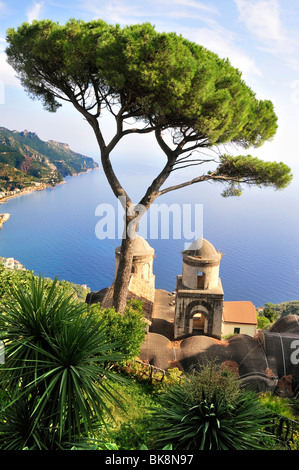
[[239, 312]]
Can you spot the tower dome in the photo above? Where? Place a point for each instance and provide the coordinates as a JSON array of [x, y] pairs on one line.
[[142, 248], [201, 265], [202, 249]]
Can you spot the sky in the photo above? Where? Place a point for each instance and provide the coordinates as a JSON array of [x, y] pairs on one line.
[[259, 37]]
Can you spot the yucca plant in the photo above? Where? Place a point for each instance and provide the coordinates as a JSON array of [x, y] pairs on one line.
[[55, 357], [209, 424]]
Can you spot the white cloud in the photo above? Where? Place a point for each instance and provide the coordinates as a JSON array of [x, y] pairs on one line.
[[265, 20], [118, 11], [190, 4], [115, 11], [3, 7], [262, 18], [34, 12], [7, 73]]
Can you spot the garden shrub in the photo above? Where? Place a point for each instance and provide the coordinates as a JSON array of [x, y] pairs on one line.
[[209, 412]]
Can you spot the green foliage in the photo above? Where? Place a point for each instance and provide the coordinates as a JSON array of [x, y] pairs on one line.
[[153, 74], [294, 442], [285, 422], [131, 424], [163, 81], [145, 373], [205, 415], [210, 378], [263, 322], [251, 170], [128, 329], [9, 278], [270, 313], [54, 371], [277, 405], [12, 179], [285, 308], [130, 427]]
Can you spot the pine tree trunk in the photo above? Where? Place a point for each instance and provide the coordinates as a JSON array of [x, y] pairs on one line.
[[123, 275]]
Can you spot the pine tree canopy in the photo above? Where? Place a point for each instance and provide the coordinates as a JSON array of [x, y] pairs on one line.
[[160, 81]]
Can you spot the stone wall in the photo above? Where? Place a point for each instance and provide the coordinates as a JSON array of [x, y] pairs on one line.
[[142, 289]]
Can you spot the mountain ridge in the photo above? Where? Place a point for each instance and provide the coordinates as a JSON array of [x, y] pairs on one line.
[[26, 161]]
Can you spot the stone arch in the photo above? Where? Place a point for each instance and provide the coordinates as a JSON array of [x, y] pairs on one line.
[[198, 303], [194, 307]]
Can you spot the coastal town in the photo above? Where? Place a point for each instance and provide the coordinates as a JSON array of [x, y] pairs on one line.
[[11, 263], [6, 195]]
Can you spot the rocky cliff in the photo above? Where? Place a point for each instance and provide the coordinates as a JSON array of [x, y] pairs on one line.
[[26, 161]]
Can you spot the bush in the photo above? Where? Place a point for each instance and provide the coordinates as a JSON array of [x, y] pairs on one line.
[[211, 378], [277, 405], [54, 371], [263, 322], [127, 330], [285, 424], [209, 412]]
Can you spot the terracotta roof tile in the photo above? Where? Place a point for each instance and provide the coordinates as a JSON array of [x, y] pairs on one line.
[[239, 312]]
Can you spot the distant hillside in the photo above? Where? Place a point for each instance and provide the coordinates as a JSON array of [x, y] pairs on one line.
[[26, 160], [286, 308]]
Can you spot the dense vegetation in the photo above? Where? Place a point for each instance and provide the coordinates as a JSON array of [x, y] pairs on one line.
[[284, 308], [10, 278], [25, 159], [12, 179], [72, 379], [272, 312]]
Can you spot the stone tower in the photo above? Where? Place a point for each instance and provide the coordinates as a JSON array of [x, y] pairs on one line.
[[142, 282], [199, 299]]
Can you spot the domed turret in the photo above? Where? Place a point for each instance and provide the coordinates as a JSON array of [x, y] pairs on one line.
[[201, 265], [199, 292], [142, 264]]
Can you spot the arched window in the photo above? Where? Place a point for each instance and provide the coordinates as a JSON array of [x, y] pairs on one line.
[[200, 280], [198, 323], [198, 315]]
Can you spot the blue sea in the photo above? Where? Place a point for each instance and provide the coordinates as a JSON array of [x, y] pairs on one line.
[[55, 232]]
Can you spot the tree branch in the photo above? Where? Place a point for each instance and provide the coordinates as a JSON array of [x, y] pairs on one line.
[[212, 176], [187, 183], [188, 165]]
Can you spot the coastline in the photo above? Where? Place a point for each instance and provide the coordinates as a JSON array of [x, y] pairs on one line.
[[5, 216], [40, 187], [29, 190]]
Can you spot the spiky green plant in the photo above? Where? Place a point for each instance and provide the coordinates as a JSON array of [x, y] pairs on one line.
[[209, 424], [55, 357]]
